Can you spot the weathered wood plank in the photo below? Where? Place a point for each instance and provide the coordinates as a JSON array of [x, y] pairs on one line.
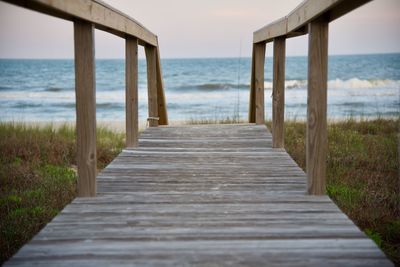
[[316, 143], [278, 93], [270, 31], [131, 93], [252, 104], [300, 252], [259, 62], [162, 106], [293, 24], [307, 11], [151, 59], [85, 92], [101, 15]]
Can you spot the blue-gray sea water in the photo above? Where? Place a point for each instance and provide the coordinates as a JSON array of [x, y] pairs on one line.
[[43, 90]]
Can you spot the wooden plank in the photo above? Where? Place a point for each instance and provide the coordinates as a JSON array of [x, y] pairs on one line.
[[316, 143], [252, 109], [131, 94], [344, 7], [281, 252], [85, 91], [162, 106], [259, 62], [278, 93], [293, 24], [307, 11], [312, 9], [151, 59], [101, 15], [270, 31]]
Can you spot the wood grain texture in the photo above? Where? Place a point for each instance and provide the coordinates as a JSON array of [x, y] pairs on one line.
[[252, 104], [101, 15], [85, 91], [162, 106], [268, 32], [205, 195], [293, 24], [151, 59], [316, 143], [259, 62], [278, 92], [131, 93]]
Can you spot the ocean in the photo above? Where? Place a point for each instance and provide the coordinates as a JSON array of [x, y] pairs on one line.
[[202, 88]]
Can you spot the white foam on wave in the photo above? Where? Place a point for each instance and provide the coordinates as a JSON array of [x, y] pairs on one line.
[[358, 83], [353, 83], [66, 97], [353, 86]]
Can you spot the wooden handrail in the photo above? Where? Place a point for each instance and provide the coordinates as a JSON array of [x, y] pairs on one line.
[[295, 23], [87, 15], [312, 17], [103, 16]]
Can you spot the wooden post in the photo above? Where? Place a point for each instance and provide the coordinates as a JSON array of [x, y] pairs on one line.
[[131, 94], [278, 100], [317, 105], [151, 58], [252, 109], [259, 61], [162, 107], [85, 91]]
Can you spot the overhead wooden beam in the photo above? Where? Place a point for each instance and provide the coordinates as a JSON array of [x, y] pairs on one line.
[[131, 92], [85, 91], [278, 92], [304, 13], [307, 11], [316, 143], [102, 16], [270, 31], [344, 7]]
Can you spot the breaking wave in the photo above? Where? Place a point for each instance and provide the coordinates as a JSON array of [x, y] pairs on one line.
[[353, 83]]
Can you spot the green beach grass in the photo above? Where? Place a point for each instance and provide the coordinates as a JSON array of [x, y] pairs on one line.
[[362, 174], [38, 175]]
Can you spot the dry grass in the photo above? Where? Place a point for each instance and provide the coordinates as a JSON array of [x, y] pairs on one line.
[[38, 178]]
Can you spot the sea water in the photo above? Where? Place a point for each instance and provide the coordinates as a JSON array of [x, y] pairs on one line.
[[202, 88]]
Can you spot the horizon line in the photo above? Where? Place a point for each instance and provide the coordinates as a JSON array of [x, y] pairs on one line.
[[207, 57]]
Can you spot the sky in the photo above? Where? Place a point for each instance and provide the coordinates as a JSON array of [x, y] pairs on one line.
[[206, 28]]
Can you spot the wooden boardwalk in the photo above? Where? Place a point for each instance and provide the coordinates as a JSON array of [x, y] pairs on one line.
[[208, 195]]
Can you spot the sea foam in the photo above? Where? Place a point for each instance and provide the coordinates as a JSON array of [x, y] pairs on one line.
[[353, 83]]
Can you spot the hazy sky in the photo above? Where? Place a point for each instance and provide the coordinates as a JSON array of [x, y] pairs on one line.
[[206, 28]]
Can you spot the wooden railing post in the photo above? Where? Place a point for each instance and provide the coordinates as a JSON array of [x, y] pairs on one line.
[[162, 107], [85, 91], [131, 93], [151, 59], [278, 99], [252, 104], [256, 112], [317, 106]]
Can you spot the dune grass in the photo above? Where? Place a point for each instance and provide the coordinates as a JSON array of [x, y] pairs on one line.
[[38, 175], [362, 174]]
